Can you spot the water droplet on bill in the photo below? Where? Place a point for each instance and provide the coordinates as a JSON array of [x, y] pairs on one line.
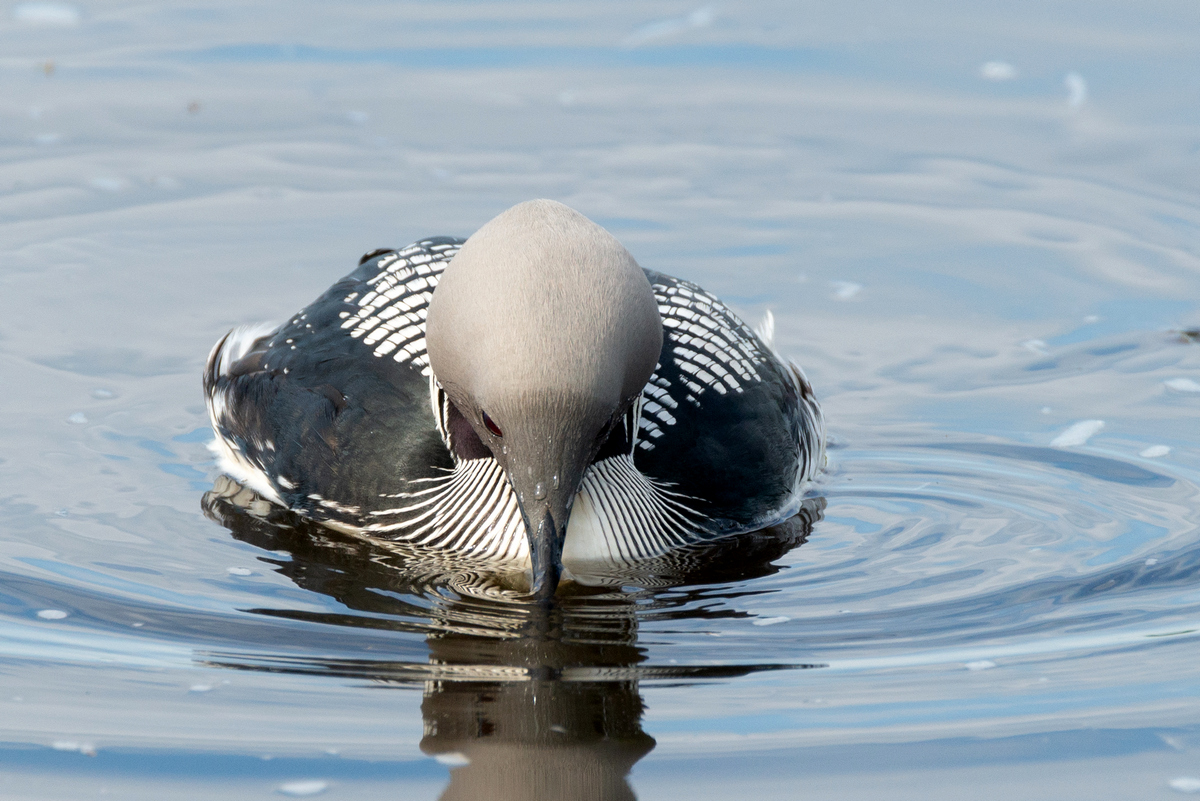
[[453, 759]]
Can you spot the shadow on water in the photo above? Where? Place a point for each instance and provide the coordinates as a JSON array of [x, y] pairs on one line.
[[523, 701]]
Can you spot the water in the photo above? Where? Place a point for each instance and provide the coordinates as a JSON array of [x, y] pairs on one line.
[[977, 230]]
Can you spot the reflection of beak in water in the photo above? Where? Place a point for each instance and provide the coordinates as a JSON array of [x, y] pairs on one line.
[[528, 701], [546, 736]]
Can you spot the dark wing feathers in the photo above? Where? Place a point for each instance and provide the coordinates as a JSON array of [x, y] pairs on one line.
[[318, 412], [722, 417]]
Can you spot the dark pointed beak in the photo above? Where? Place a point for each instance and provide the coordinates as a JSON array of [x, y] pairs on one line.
[[545, 553], [546, 520]]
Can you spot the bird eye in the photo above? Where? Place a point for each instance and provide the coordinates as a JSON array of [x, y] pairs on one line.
[[490, 424]]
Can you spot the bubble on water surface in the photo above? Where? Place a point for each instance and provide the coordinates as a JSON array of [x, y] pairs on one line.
[[845, 290], [107, 183], [700, 18], [1154, 451], [77, 419], [239, 571], [303, 788], [52, 614], [1077, 434], [59, 14], [200, 688], [1076, 89], [998, 71]]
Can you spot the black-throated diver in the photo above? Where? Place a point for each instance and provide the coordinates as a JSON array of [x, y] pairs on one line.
[[528, 395]]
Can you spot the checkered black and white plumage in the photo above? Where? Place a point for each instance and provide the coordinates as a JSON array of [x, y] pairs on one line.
[[336, 415]]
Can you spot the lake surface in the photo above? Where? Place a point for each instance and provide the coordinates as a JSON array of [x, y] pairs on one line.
[[978, 229]]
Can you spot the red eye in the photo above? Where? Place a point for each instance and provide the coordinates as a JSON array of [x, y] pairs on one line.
[[490, 424]]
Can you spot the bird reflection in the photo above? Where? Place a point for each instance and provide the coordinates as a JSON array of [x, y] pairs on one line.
[[547, 736], [523, 701]]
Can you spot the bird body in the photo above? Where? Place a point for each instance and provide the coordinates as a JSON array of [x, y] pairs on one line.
[[530, 395]]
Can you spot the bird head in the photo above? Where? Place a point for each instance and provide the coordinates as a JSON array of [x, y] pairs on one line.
[[543, 331]]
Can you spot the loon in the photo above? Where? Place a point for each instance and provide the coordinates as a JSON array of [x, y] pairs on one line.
[[528, 395]]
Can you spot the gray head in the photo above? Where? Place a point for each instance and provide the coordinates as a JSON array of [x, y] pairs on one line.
[[543, 330]]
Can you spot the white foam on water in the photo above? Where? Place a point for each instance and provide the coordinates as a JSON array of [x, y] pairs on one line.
[[844, 290], [1182, 385], [77, 419], [1154, 451], [1077, 90], [980, 664], [106, 183], [46, 14], [52, 614], [700, 18], [239, 571], [303, 788], [998, 71], [1077, 434], [200, 688], [1185, 784], [771, 621]]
